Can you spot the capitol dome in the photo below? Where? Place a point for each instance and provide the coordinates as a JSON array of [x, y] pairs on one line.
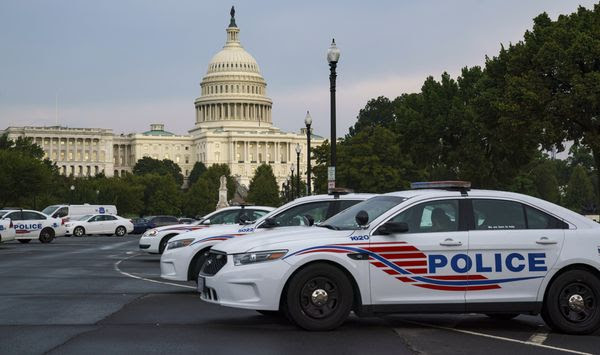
[[233, 91]]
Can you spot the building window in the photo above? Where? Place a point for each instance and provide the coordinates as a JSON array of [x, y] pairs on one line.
[[187, 160], [177, 159], [187, 148]]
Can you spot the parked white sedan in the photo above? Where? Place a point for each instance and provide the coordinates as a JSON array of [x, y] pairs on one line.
[[99, 224]]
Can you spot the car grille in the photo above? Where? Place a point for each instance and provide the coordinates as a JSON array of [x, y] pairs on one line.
[[213, 263]]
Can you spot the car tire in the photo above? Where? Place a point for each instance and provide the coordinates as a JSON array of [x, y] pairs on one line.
[[46, 235], [163, 243], [502, 316], [120, 231], [78, 232], [319, 297], [572, 304], [24, 241], [196, 264]]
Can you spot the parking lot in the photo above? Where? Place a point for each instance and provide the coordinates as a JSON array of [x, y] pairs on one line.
[[100, 295]]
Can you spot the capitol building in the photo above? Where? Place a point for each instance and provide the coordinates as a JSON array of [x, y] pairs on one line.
[[233, 125]]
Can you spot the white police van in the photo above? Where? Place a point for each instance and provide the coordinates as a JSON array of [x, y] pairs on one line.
[[438, 248], [29, 225], [68, 212]]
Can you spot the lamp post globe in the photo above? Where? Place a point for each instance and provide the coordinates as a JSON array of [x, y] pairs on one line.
[[308, 123], [72, 188], [333, 56]]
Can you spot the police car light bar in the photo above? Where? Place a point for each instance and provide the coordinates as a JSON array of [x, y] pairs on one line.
[[459, 185], [340, 191]]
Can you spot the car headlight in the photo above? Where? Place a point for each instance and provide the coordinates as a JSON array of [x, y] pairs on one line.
[[180, 243], [151, 233], [258, 257]]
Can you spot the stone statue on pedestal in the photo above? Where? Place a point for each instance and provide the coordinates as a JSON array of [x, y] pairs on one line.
[[223, 193]]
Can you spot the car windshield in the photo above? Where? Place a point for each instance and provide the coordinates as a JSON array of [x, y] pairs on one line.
[[49, 210], [3, 212], [84, 218], [375, 207]]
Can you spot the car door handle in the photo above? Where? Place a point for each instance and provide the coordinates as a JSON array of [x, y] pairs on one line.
[[449, 242], [546, 241]]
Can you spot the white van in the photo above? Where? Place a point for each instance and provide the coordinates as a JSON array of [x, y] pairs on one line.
[[68, 212]]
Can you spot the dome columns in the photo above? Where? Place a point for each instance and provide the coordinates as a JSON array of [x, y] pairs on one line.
[[233, 111]]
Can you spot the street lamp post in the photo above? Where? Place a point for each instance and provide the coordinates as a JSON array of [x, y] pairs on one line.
[[333, 56], [72, 193], [298, 150], [308, 122], [292, 168]]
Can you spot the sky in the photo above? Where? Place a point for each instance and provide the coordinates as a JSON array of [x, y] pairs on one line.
[[124, 64]]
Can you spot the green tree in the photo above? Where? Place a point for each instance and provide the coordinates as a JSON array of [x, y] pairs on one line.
[[24, 145], [161, 193], [579, 196], [197, 171], [148, 165], [203, 195], [371, 161], [126, 194], [199, 200], [554, 78], [263, 189], [377, 112], [23, 178]]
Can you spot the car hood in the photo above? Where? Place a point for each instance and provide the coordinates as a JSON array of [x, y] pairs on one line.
[[282, 238], [181, 228], [214, 231]]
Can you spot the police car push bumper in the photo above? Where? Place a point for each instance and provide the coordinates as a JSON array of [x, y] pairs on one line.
[[255, 289]]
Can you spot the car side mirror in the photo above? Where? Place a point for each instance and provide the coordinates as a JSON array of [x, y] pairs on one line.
[[393, 228], [362, 218], [309, 219], [270, 223], [206, 221]]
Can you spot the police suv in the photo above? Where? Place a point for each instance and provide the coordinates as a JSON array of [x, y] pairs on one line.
[[186, 252], [440, 247], [155, 240], [29, 225]]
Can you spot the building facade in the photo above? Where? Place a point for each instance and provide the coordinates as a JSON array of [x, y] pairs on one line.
[[233, 126]]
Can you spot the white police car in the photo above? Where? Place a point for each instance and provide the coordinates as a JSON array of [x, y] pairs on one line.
[[424, 250], [186, 252], [7, 232], [29, 225], [154, 241]]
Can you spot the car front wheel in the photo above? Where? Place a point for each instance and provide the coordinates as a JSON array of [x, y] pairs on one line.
[[121, 231], [571, 304], [78, 232], [319, 297], [46, 235]]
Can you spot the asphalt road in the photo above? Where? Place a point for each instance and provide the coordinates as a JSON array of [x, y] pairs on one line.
[[99, 295]]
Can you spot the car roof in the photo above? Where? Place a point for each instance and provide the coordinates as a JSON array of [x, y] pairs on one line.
[[549, 207], [350, 196]]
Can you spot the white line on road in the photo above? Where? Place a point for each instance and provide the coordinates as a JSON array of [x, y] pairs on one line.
[[143, 278], [538, 338], [528, 342]]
